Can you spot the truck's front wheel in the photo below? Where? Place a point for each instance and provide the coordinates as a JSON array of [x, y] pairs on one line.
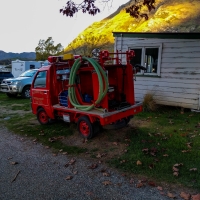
[[42, 116], [26, 92], [85, 127]]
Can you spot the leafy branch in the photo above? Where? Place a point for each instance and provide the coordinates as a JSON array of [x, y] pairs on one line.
[[89, 6]]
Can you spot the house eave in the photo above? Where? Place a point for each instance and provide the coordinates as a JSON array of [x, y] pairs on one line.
[[166, 35]]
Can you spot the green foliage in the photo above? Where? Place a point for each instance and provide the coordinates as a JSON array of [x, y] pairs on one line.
[[47, 48], [5, 62]]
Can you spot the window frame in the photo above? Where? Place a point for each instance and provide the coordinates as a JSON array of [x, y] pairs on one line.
[[144, 47], [36, 84]]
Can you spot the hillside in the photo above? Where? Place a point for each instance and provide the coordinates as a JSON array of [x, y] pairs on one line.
[[169, 16], [24, 55]]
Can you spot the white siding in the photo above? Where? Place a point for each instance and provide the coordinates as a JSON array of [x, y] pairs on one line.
[[179, 81]]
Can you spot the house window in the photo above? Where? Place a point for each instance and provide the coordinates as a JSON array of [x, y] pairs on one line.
[[147, 60]]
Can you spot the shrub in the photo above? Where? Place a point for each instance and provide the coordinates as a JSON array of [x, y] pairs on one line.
[[149, 104]]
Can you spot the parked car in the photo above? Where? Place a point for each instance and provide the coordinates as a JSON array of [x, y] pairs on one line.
[[4, 75], [20, 85]]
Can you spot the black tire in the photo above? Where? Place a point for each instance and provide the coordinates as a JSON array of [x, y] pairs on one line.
[[85, 127], [11, 95], [42, 117], [26, 92]]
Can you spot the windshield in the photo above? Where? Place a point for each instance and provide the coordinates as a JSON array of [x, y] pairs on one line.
[[28, 73]]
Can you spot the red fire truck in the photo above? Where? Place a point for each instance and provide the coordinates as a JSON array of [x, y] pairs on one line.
[[92, 92]]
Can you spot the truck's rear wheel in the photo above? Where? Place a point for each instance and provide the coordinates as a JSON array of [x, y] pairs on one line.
[[97, 128], [42, 116], [85, 127], [26, 92], [127, 120]]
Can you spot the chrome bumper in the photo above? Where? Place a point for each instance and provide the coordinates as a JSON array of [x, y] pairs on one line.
[[8, 88]]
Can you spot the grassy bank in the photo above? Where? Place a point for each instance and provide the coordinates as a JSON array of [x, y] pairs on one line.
[[164, 145], [16, 115]]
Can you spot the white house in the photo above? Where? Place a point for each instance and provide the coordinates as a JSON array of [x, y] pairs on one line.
[[172, 62]]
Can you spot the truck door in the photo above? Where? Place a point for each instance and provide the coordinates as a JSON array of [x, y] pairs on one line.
[[40, 91]]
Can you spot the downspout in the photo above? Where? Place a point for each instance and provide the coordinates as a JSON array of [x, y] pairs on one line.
[[116, 41], [121, 44], [198, 108]]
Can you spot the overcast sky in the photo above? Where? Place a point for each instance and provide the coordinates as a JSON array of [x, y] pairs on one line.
[[24, 22]]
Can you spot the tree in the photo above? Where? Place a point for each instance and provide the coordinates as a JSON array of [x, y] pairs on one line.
[[47, 48], [89, 6]]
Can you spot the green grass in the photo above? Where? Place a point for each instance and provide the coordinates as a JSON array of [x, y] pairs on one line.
[[161, 143], [26, 125], [160, 140], [4, 100], [49, 135]]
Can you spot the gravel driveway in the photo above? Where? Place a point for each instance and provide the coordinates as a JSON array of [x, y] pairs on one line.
[[30, 171]]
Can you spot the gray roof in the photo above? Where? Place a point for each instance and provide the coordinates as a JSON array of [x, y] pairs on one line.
[[164, 35]]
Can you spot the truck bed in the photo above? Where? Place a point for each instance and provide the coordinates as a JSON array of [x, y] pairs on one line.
[[96, 112]]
